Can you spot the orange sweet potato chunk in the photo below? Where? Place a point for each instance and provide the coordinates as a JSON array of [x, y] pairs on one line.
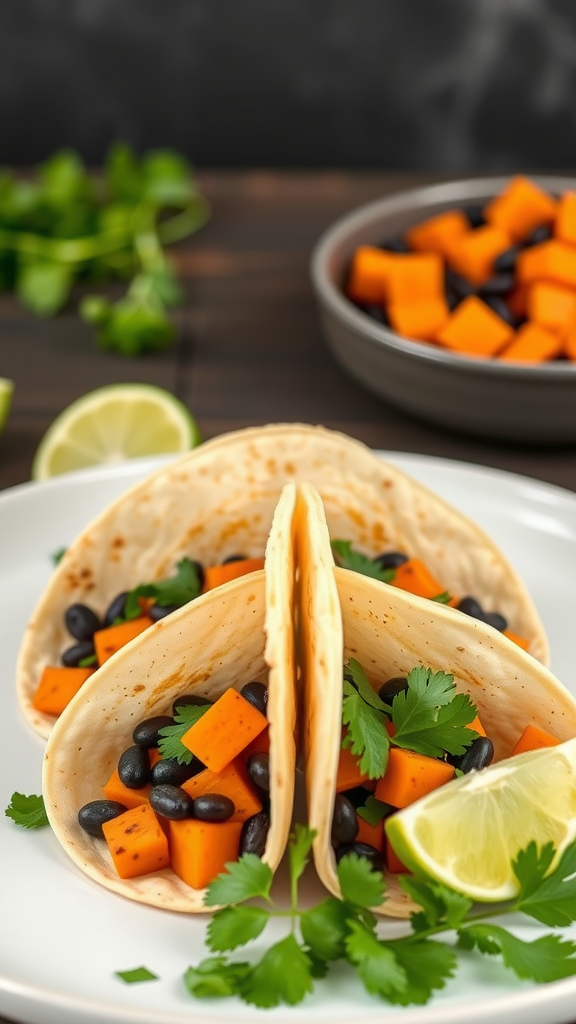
[[565, 223], [216, 575], [393, 862], [224, 730], [109, 640], [368, 275], [434, 234], [136, 842], [416, 578], [410, 776], [234, 782], [199, 850], [415, 277], [534, 738], [58, 685], [116, 790], [349, 775], [371, 834], [551, 306], [474, 329], [532, 344], [472, 255], [418, 320], [520, 208], [569, 343], [551, 261]]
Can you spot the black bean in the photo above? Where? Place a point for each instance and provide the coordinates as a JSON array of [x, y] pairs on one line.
[[390, 559], [475, 214], [391, 687], [169, 771], [506, 261], [538, 235], [160, 611], [146, 733], [358, 796], [502, 309], [452, 299], [73, 655], [369, 853], [470, 606], [213, 807], [395, 245], [459, 285], [171, 802], [479, 755], [234, 558], [500, 284], [496, 620], [259, 770], [257, 695], [116, 608], [134, 767], [344, 821], [188, 700], [92, 816], [377, 313], [254, 834], [81, 621]]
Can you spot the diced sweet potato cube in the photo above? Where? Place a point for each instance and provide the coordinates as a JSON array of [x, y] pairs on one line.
[[474, 329], [393, 862], [116, 790], [569, 342], [199, 850], [472, 255], [224, 730], [416, 578], [519, 640], [551, 306], [349, 775], [477, 726], [216, 575], [371, 834], [520, 208], [517, 301], [418, 320], [259, 745], [565, 223], [368, 275], [551, 261], [136, 842], [415, 278], [58, 685], [109, 640], [410, 776], [534, 738], [234, 782], [532, 344], [433, 234]]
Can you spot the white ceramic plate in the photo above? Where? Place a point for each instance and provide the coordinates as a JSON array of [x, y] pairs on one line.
[[62, 937]]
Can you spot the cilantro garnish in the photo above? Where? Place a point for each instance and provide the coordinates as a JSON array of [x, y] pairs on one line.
[[58, 555], [442, 598], [170, 742], [27, 811], [184, 586], [136, 975], [429, 717], [374, 810], [402, 971], [347, 558]]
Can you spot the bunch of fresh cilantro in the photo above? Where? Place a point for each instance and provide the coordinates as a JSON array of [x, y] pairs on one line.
[[65, 227]]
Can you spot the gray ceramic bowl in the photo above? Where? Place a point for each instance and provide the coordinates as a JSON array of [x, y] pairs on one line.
[[508, 401]]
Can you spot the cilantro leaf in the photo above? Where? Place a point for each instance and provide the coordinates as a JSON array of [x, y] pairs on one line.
[[43, 287], [283, 975], [442, 598], [215, 978], [364, 714], [360, 885], [548, 958], [184, 586], [347, 558], [170, 737], [324, 928], [376, 963], [355, 674], [242, 880], [58, 555], [235, 926], [299, 848], [428, 966], [373, 810], [440, 905], [551, 900], [136, 975], [27, 811], [430, 717]]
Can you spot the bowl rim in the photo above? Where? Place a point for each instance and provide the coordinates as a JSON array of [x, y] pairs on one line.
[[457, 190]]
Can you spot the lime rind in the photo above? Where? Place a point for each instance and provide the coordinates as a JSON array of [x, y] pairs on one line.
[[6, 392]]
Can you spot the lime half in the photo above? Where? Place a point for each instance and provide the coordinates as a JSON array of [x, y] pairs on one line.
[[467, 833], [112, 424], [6, 389]]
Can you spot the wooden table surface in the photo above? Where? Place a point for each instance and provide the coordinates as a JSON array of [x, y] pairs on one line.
[[250, 349]]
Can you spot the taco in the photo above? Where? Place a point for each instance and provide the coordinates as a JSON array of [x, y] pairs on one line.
[[357, 632], [224, 665], [217, 502]]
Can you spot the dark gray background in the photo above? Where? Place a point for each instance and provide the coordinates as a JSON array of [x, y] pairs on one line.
[[446, 85]]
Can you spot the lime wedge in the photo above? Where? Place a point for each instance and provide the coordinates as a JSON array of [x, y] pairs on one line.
[[6, 389], [112, 424], [467, 833]]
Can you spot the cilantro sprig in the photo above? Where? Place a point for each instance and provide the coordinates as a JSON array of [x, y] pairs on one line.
[[27, 811], [429, 717], [348, 558], [178, 589], [401, 971], [170, 737]]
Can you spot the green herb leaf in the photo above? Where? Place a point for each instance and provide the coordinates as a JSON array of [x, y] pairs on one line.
[[283, 975], [88, 662], [43, 287], [347, 558], [243, 880], [551, 899], [440, 905], [548, 958], [428, 965], [178, 589], [298, 855], [442, 598], [366, 736], [215, 978], [360, 885], [170, 737], [376, 963], [136, 975], [374, 810], [27, 811], [355, 674], [235, 926], [324, 928], [430, 717], [58, 555]]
